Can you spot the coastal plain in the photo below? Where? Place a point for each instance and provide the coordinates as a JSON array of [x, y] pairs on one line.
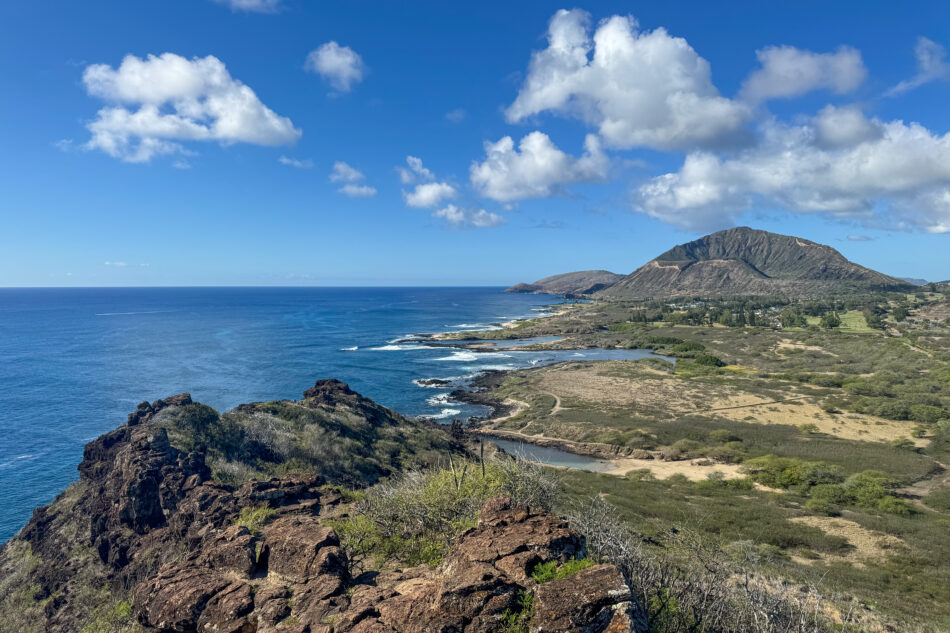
[[699, 445]]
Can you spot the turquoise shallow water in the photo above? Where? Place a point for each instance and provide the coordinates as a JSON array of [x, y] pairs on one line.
[[74, 362]]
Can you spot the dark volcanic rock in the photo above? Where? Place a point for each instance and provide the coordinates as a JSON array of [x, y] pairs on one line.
[[147, 533]]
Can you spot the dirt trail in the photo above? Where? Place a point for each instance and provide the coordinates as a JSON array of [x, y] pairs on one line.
[[557, 403], [518, 405]]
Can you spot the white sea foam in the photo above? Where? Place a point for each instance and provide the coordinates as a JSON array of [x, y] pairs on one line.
[[406, 337], [445, 413], [466, 356], [128, 313], [349, 349], [396, 348], [439, 400]]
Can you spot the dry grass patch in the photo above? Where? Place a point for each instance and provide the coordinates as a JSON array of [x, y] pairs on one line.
[[692, 470], [868, 546], [849, 426]]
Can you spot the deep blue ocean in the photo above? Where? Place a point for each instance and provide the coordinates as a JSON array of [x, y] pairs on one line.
[[75, 362]]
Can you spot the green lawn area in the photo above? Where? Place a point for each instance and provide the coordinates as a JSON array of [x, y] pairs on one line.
[[852, 321]]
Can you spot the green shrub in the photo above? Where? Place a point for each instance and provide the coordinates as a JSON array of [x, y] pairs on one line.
[[708, 360], [723, 435], [255, 518], [904, 444], [872, 489], [821, 506], [893, 505], [790, 472], [688, 346], [414, 517], [926, 413], [682, 449], [516, 620], [551, 570], [665, 341], [730, 453]]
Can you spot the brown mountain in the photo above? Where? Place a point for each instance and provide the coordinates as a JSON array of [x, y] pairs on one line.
[[744, 261], [578, 283]]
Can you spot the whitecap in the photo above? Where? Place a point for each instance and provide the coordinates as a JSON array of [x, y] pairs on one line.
[[445, 413], [395, 348], [349, 349], [439, 400]]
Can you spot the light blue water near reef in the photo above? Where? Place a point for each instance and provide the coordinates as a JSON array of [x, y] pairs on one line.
[[75, 362]]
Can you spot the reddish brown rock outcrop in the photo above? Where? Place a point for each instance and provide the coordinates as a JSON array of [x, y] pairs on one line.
[[147, 533], [293, 576]]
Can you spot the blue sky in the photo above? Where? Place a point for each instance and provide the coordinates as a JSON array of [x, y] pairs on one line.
[[633, 126]]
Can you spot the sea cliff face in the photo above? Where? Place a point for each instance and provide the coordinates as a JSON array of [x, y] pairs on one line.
[[153, 537]]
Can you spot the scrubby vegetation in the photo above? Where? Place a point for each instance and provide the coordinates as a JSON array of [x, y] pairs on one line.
[[823, 426], [413, 517], [351, 443]]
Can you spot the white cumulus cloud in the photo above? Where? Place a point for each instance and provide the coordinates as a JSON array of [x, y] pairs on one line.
[[877, 172], [352, 180], [429, 194], [341, 66], [456, 217], [257, 6], [638, 88], [790, 72], [160, 101], [535, 169], [931, 65]]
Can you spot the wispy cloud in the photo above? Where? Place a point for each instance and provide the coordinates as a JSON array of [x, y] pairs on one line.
[[931, 66], [294, 162], [457, 115], [351, 179], [255, 6]]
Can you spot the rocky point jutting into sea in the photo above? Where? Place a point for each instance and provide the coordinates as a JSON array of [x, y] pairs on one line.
[[153, 537]]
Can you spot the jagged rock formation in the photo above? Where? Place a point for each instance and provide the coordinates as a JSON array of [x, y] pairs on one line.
[[584, 282], [148, 540]]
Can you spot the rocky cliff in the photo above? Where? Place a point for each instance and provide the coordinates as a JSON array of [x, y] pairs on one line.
[[152, 539]]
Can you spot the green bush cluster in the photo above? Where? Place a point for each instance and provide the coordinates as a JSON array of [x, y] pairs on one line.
[[552, 570], [825, 485], [255, 518], [790, 472], [414, 517]]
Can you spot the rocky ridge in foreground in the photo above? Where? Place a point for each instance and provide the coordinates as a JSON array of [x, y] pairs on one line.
[[149, 540]]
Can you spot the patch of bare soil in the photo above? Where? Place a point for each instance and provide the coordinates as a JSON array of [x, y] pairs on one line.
[[789, 344], [694, 470], [868, 546], [800, 412]]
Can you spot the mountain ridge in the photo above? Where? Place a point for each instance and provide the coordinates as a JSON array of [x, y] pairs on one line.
[[740, 261]]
